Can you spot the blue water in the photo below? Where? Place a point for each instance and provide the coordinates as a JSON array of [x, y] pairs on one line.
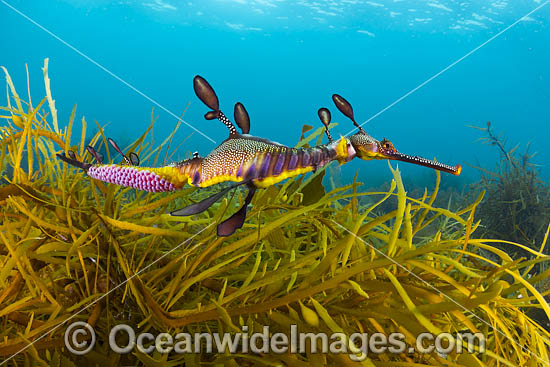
[[284, 59]]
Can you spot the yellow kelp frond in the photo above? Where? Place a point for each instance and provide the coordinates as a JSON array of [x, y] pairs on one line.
[[346, 263]]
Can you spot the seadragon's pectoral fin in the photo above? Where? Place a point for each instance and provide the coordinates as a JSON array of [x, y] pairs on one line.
[[206, 203], [230, 225], [236, 221]]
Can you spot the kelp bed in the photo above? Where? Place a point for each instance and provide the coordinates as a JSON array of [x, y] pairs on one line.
[[318, 260], [517, 205]]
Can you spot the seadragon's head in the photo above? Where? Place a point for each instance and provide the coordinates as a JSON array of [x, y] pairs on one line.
[[367, 147]]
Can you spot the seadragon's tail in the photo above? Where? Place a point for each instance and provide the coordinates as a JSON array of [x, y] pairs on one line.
[[73, 161], [151, 179]]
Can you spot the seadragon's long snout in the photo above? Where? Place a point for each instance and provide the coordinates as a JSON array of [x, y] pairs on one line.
[[368, 148], [455, 170]]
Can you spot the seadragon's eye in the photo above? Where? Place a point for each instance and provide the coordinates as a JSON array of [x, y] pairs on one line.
[[387, 145]]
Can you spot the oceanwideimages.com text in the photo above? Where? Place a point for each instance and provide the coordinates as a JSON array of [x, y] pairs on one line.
[[80, 338]]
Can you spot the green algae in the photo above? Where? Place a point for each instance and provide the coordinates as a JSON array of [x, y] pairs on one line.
[[322, 260]]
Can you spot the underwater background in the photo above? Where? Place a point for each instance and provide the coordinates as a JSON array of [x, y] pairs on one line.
[[284, 59], [330, 251]]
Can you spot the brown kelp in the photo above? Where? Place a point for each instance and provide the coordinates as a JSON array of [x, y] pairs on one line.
[[74, 247], [517, 201]]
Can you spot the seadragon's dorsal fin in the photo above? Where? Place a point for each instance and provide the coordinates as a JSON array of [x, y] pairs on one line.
[[115, 145], [206, 94], [98, 156], [132, 159], [324, 115], [242, 118], [345, 107]]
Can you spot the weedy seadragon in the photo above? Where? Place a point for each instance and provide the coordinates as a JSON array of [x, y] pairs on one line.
[[244, 159]]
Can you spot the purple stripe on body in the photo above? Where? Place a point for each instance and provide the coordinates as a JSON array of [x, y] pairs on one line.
[[325, 156], [250, 173], [196, 178], [331, 152], [305, 159], [293, 162], [278, 168], [264, 169], [315, 157]]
